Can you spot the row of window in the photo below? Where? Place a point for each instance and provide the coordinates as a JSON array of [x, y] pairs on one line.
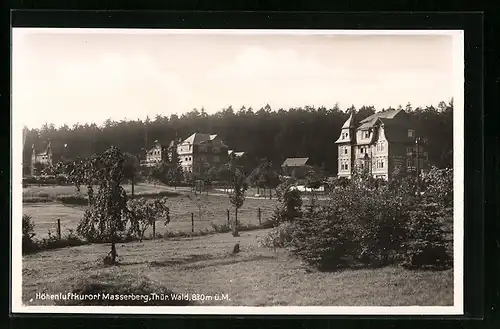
[[366, 134], [380, 164], [215, 159]]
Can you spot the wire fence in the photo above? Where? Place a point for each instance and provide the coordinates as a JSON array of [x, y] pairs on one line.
[[204, 220]]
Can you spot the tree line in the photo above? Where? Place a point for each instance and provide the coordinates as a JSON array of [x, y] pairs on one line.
[[263, 134]]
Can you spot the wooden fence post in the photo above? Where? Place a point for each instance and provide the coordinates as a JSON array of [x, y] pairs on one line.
[[259, 217], [154, 230], [228, 222], [192, 222], [59, 228]]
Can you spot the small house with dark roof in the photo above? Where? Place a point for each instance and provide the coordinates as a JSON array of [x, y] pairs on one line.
[[296, 167], [202, 150], [380, 144]]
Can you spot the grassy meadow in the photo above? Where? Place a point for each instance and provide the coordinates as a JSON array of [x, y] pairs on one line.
[[213, 209], [254, 277]]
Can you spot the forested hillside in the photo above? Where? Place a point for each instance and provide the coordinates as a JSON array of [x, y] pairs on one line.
[[264, 133]]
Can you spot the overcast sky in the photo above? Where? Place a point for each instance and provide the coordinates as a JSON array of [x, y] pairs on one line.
[[64, 77]]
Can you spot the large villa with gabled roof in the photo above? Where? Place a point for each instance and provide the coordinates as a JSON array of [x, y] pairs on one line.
[[380, 144]]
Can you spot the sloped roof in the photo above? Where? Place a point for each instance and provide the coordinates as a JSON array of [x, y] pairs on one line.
[[200, 138], [238, 154], [367, 125], [386, 114], [349, 123], [396, 131], [295, 162]]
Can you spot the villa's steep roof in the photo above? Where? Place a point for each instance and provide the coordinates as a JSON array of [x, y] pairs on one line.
[[396, 131], [391, 114], [349, 123], [295, 162], [201, 138]]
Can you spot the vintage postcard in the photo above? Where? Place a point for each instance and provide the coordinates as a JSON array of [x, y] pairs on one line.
[[237, 171]]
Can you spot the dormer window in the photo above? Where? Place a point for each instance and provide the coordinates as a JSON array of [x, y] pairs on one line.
[[366, 134], [411, 133]]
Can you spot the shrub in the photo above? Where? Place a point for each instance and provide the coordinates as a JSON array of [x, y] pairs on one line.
[[323, 239], [29, 245], [438, 186], [372, 224], [223, 228], [144, 213], [183, 234], [35, 199], [159, 194], [79, 200], [426, 246], [289, 204], [278, 237], [54, 242], [118, 291]]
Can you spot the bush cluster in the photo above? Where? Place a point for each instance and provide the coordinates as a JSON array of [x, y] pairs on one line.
[[289, 205], [78, 200], [46, 180], [278, 237], [31, 245], [372, 223], [225, 228], [36, 199]]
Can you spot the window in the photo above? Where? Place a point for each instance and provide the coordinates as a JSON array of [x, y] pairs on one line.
[[411, 133], [409, 150], [216, 150], [409, 163], [345, 150], [366, 134]]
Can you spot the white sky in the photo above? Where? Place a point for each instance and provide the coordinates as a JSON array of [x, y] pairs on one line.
[[65, 76]]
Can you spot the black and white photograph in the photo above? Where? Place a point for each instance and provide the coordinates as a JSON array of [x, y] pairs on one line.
[[163, 171]]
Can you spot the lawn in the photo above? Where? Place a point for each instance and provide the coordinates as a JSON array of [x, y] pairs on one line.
[[254, 277], [52, 191], [214, 210]]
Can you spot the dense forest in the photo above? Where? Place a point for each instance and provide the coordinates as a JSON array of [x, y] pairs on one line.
[[264, 133]]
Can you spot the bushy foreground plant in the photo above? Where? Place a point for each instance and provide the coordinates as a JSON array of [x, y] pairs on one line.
[[371, 223], [52, 241], [426, 246], [289, 206], [278, 237], [144, 213], [28, 244]]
